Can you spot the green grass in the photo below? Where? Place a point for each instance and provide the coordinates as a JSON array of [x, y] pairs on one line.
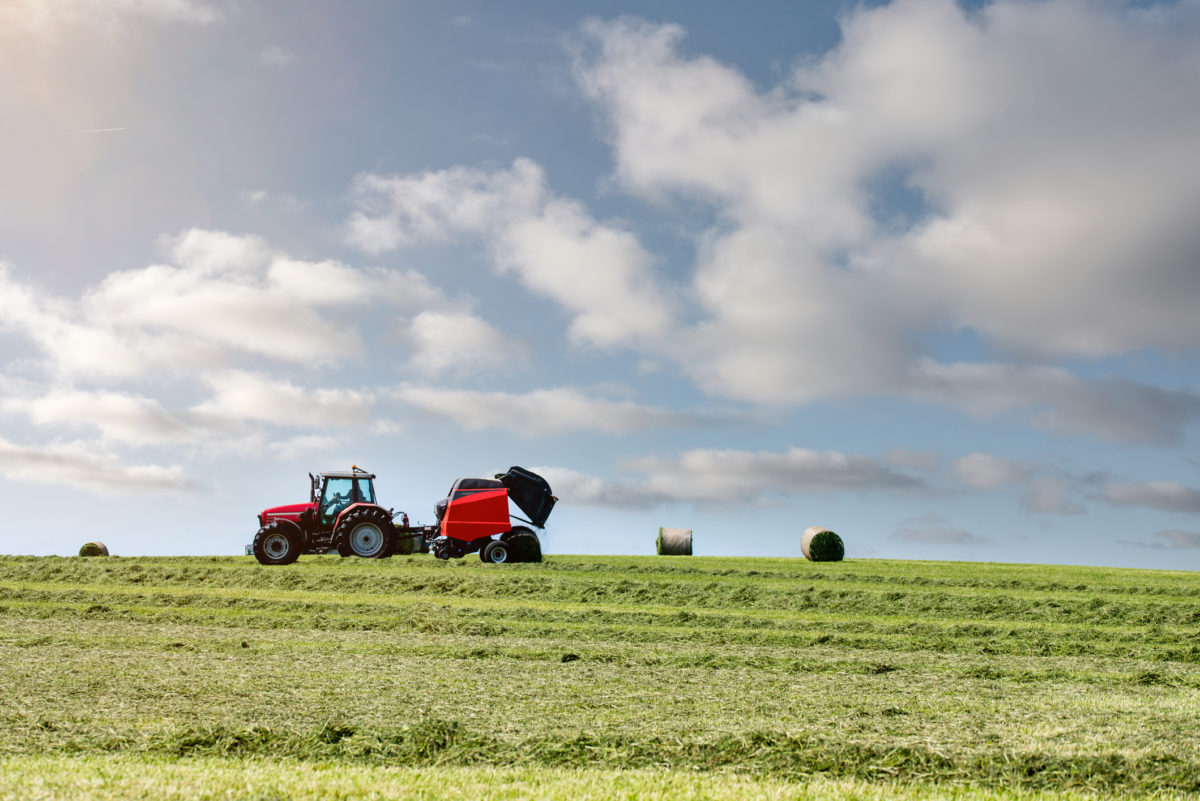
[[111, 777], [588, 676]]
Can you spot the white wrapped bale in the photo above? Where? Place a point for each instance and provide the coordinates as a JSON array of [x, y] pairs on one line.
[[821, 545], [674, 542]]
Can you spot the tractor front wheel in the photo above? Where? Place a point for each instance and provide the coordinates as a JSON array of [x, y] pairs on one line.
[[368, 533], [277, 543], [496, 552]]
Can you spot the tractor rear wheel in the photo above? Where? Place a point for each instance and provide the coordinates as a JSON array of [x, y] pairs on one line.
[[277, 543], [496, 552], [368, 533]]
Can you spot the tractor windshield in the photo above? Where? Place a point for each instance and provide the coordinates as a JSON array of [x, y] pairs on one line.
[[366, 493], [336, 496]]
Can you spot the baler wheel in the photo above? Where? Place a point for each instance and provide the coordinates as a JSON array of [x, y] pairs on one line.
[[277, 543], [366, 533], [496, 552]]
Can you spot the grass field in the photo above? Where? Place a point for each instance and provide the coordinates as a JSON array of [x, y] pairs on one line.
[[595, 677]]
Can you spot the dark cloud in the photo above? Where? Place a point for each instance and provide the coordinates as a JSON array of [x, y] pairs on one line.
[[1170, 539], [730, 476], [932, 529], [1058, 401], [1168, 496]]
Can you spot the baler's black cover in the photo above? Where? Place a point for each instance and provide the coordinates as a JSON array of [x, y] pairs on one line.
[[463, 484], [530, 492], [475, 483]]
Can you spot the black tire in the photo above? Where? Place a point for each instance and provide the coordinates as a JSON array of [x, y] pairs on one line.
[[496, 552], [277, 543], [523, 545], [366, 532], [344, 550]]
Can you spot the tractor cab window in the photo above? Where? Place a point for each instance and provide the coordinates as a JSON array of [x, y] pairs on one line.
[[366, 494], [337, 495]]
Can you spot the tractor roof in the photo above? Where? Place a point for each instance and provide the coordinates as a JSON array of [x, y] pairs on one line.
[[354, 472]]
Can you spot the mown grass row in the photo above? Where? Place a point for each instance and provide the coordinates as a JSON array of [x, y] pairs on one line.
[[622, 574], [436, 742], [695, 642], [863, 671], [928, 605], [110, 777]]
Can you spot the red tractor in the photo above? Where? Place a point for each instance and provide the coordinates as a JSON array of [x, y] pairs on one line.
[[343, 515]]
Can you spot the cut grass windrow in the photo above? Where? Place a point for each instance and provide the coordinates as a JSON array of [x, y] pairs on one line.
[[449, 743]]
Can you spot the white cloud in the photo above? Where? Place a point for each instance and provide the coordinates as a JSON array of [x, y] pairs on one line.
[[1052, 144], [394, 211], [84, 466], [45, 17], [540, 412], [240, 396], [1059, 401], [285, 203], [207, 253], [985, 471], [234, 419], [294, 448], [459, 343], [728, 475], [575, 487], [51, 324], [1061, 170], [599, 272], [1168, 496], [933, 529], [782, 328], [226, 298], [1049, 228], [118, 417]]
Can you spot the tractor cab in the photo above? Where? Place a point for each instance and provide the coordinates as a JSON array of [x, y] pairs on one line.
[[334, 491]]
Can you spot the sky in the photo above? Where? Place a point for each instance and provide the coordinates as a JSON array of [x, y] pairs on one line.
[[924, 273]]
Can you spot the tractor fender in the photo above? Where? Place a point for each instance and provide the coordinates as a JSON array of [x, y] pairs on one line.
[[293, 524], [338, 520]]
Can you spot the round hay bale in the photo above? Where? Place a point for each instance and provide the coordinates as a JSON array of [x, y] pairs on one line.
[[526, 547], [93, 549], [821, 545], [674, 542]]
